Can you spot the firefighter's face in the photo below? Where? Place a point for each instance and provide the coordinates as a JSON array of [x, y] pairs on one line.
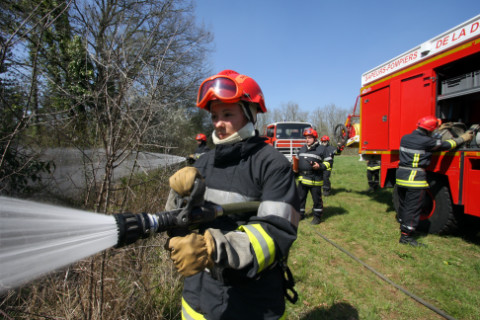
[[227, 118], [310, 140]]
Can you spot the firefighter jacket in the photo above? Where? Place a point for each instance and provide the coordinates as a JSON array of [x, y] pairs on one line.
[[373, 165], [201, 149], [416, 151], [246, 281], [307, 155], [330, 152]]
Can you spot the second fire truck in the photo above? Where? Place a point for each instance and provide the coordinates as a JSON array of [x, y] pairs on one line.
[[440, 77]]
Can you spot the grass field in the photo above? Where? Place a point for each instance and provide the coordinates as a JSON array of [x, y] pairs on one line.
[[351, 266], [334, 284]]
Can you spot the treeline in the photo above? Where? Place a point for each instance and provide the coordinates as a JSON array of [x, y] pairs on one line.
[[324, 118], [107, 75], [96, 74]]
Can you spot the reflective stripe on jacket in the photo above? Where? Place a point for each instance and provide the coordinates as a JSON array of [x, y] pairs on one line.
[[308, 155], [373, 165], [416, 151], [248, 245]]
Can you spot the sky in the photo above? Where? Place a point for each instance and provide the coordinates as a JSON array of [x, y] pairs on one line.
[[313, 52]]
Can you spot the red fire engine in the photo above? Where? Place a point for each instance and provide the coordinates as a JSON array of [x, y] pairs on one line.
[[286, 137], [440, 77]]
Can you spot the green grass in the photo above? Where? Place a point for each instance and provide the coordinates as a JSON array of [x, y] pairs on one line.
[[332, 285], [140, 282]]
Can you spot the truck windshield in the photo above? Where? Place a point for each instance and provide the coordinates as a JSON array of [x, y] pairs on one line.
[[291, 130]]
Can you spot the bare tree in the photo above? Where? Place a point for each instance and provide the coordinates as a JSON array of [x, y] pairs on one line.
[[325, 119], [123, 83]]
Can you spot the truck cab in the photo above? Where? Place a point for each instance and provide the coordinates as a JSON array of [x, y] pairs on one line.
[[287, 137]]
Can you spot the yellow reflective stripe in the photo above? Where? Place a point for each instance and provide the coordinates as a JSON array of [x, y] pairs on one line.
[[309, 182], [453, 144], [373, 168], [262, 244], [189, 314], [327, 164], [412, 175], [416, 158], [409, 183]]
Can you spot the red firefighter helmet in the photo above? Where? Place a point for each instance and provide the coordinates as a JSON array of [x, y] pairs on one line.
[[325, 138], [310, 132], [429, 123], [229, 86], [201, 137]]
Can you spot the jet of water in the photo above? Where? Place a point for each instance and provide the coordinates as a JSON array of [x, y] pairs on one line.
[[39, 238]]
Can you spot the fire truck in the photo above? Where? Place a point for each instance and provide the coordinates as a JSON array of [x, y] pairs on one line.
[[439, 77], [287, 137]]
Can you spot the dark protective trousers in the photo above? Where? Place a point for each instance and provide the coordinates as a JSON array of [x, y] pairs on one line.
[[373, 177], [316, 193], [327, 186], [410, 208]]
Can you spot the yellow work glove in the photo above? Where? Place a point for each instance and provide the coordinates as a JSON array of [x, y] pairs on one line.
[[182, 181], [467, 136], [192, 253]]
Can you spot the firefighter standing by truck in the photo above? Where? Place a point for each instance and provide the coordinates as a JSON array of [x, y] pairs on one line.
[[373, 175], [201, 149], [311, 165], [235, 266], [330, 152], [415, 154]]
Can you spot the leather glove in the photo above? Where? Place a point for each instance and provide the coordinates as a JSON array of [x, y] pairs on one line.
[[192, 253], [182, 181], [446, 125], [467, 136]]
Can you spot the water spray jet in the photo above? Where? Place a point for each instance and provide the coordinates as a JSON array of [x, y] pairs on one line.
[[37, 238]]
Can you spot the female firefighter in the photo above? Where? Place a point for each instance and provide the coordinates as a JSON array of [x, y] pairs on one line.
[[234, 267], [312, 162], [415, 154]]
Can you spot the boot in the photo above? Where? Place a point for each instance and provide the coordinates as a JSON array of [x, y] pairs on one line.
[[302, 214], [409, 239], [316, 220]]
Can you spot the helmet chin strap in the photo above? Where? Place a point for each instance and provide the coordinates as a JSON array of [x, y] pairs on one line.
[[250, 110]]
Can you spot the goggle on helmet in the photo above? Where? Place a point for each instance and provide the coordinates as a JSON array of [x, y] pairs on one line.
[[229, 86], [310, 132]]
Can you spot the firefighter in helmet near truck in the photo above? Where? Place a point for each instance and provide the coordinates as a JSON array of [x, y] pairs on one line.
[[312, 162], [330, 152], [415, 154], [201, 149]]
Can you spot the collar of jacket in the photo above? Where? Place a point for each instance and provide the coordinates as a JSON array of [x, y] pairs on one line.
[[228, 154], [313, 145], [421, 132]]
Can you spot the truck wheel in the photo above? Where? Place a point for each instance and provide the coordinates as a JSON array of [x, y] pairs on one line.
[[340, 133], [437, 216]]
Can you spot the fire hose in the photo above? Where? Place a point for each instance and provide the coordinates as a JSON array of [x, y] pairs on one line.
[[384, 278], [191, 211]]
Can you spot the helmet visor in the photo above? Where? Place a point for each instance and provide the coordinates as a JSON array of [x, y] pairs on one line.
[[221, 88]]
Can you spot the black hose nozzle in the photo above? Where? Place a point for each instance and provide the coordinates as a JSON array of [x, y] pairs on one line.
[[132, 227]]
